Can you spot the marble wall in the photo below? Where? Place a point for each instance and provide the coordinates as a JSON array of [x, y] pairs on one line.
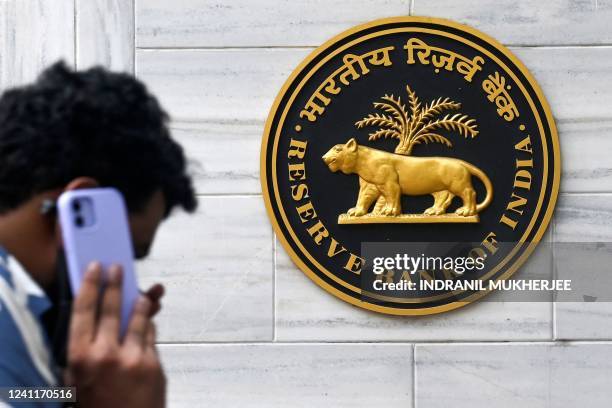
[[242, 326]]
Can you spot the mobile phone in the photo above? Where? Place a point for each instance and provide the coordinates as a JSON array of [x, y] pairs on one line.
[[95, 227]]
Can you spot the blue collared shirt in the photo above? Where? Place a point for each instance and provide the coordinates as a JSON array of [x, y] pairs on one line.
[[25, 358]]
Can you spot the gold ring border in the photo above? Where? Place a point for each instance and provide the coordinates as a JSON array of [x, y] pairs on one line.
[[556, 174]]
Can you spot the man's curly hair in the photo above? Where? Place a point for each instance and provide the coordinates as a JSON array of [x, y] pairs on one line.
[[91, 123]]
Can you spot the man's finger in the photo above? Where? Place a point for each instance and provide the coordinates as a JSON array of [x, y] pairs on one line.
[[110, 313], [136, 334], [151, 337], [83, 321], [155, 293]]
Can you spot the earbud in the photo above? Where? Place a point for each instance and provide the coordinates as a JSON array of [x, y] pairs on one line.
[[47, 207]]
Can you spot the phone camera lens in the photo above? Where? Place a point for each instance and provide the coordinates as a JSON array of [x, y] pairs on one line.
[[79, 221], [76, 205]]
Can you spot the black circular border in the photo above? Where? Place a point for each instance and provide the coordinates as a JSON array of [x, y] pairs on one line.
[[549, 131]]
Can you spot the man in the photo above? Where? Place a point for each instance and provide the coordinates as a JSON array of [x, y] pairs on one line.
[[66, 131]]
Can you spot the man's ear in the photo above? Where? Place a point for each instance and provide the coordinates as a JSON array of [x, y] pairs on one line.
[[351, 145], [81, 182]]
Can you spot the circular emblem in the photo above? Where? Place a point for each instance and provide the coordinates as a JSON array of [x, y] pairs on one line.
[[413, 140]]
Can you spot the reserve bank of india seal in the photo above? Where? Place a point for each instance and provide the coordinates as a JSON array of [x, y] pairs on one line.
[[410, 130]]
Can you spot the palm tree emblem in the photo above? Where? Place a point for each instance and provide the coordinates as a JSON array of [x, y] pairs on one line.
[[418, 124]]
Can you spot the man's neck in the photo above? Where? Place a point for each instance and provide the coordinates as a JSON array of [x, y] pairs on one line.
[[29, 237]]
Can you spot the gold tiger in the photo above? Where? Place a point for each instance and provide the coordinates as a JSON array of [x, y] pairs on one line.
[[384, 177]]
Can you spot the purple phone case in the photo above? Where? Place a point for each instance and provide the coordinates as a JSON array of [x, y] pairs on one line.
[[108, 241]]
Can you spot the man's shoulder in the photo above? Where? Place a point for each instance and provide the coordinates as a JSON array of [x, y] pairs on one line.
[[23, 359], [16, 365]]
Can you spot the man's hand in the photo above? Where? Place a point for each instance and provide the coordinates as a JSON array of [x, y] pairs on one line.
[[107, 371]]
